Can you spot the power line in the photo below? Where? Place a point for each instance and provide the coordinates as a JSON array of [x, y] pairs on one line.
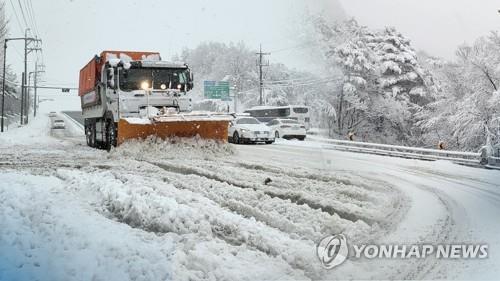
[[22, 13], [312, 82], [301, 80], [31, 14], [307, 44], [30, 19], [17, 17]]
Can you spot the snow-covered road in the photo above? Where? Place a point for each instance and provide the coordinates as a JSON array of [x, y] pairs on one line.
[[198, 210]]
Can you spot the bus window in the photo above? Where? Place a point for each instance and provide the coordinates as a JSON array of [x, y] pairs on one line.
[[283, 112], [300, 109]]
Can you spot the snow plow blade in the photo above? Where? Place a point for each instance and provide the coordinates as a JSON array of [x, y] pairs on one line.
[[167, 127]]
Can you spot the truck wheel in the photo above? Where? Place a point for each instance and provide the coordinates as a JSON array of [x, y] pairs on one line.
[[110, 134], [90, 134]]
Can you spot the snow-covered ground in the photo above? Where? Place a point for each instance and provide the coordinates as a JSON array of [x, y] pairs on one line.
[[197, 210]]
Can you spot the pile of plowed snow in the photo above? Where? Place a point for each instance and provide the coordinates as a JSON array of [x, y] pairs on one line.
[[173, 148]]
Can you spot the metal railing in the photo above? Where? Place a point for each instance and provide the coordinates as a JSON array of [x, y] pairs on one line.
[[493, 163], [464, 158]]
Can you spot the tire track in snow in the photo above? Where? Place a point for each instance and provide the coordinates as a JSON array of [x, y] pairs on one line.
[[287, 190], [284, 215], [144, 203], [445, 230]]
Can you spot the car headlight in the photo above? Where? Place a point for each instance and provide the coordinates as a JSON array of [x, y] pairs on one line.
[[244, 131]]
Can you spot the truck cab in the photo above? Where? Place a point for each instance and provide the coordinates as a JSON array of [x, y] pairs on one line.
[[118, 85]]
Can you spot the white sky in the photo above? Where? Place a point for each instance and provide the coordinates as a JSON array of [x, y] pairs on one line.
[[74, 30]]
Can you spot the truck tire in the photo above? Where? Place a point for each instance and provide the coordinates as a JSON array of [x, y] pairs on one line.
[[90, 132], [110, 134]]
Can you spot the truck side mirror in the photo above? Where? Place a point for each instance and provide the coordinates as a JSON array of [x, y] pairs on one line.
[[111, 78]]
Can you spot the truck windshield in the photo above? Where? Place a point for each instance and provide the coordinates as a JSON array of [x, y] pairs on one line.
[[133, 78]]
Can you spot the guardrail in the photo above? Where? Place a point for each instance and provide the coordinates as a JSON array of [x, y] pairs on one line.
[[73, 121], [464, 158], [493, 163]]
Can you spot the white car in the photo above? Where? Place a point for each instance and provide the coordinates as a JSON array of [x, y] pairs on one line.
[[249, 130], [287, 129], [58, 124]]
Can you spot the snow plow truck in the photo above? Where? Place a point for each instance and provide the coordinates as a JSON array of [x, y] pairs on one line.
[[134, 95]]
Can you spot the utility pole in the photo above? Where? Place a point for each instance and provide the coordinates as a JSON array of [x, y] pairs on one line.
[[34, 84], [23, 77], [35, 81], [26, 39], [3, 81], [261, 78], [23, 82], [235, 101], [24, 89]]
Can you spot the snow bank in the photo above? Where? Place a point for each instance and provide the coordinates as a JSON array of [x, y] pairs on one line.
[[34, 133], [173, 148], [48, 233]]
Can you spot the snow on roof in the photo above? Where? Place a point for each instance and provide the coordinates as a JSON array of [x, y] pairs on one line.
[[264, 107], [166, 64]]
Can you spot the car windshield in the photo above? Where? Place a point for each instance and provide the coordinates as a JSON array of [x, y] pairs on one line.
[[288, 121], [248, 121], [161, 78]]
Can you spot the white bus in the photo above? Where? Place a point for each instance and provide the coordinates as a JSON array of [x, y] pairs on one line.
[[268, 113]]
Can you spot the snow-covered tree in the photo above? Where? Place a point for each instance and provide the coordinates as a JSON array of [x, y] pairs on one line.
[[347, 52], [400, 73], [11, 99], [383, 83], [466, 114]]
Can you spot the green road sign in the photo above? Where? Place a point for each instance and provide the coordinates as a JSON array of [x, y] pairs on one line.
[[216, 90]]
